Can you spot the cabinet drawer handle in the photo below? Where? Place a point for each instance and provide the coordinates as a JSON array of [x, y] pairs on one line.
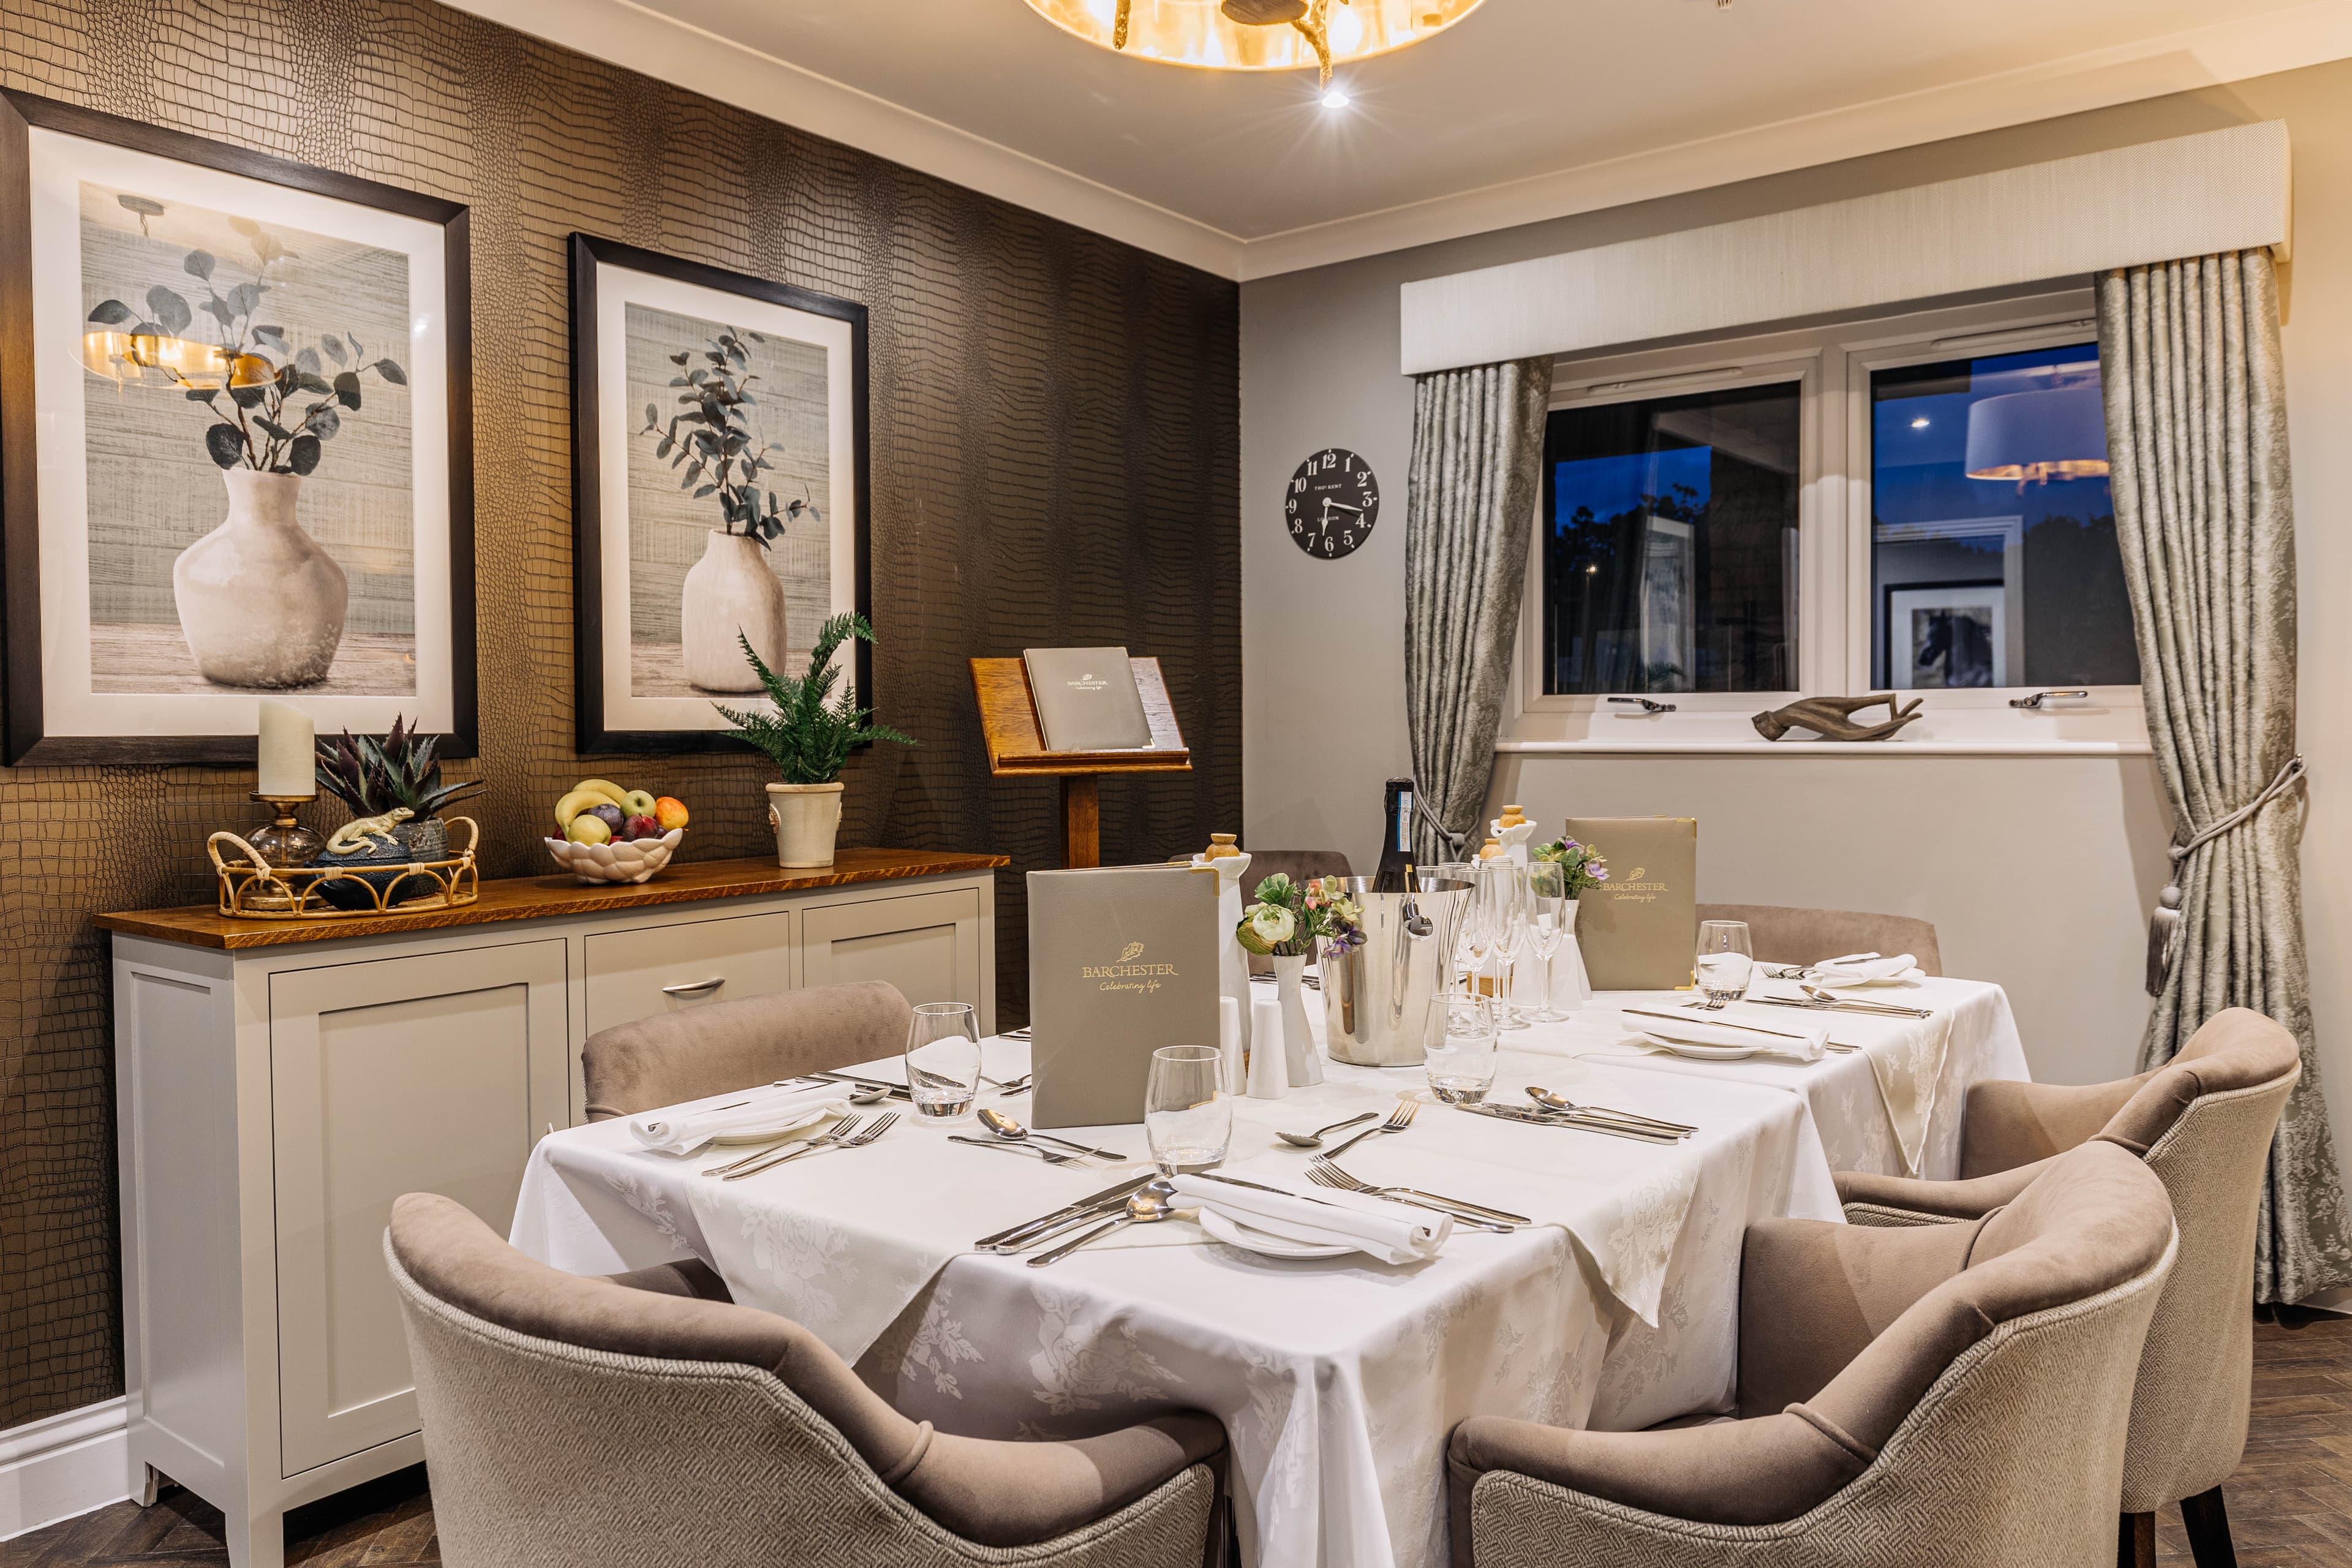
[[694, 987]]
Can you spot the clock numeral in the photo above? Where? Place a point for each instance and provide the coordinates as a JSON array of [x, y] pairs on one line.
[[1330, 461], [1299, 486]]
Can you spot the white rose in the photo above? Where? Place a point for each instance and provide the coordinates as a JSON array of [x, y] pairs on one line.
[[1273, 925]]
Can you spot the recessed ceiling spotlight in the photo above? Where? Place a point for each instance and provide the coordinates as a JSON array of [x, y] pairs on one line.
[[1336, 98], [1920, 423]]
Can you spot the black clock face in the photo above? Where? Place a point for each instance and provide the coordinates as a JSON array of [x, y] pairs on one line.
[[1331, 504]]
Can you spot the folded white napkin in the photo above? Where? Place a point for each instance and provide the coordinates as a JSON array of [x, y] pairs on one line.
[[1868, 969], [674, 1132], [1804, 1042], [1393, 1233]]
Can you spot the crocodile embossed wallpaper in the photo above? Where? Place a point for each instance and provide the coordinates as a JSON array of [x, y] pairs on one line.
[[1055, 459]]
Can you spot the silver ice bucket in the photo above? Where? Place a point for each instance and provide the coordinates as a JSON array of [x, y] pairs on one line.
[[1376, 995]]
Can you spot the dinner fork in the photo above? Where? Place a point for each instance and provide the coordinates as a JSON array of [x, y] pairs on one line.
[[865, 1134], [841, 1130], [1399, 1120], [1322, 1172]]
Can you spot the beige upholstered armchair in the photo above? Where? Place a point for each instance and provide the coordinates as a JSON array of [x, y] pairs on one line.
[[722, 1046], [1782, 935], [584, 1423], [2203, 1121], [1932, 1396]]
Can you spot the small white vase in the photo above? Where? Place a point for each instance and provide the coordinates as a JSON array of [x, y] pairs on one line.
[[806, 818], [261, 603], [1305, 1062], [1571, 987], [730, 590]]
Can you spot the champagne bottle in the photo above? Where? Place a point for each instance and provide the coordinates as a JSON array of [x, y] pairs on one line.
[[1396, 845]]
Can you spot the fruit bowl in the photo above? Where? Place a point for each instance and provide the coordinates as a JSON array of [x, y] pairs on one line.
[[629, 860]]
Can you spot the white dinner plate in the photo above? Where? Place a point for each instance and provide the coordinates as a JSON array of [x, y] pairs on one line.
[[1697, 1052], [1249, 1239]]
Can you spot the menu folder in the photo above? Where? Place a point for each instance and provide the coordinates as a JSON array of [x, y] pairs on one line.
[[1638, 930], [1087, 700], [1122, 960]]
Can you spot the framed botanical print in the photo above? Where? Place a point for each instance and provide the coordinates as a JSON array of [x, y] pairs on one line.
[[719, 445], [236, 444]]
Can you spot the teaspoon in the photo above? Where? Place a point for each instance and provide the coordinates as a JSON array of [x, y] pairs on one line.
[[1148, 1205], [1554, 1100], [1012, 1131], [1315, 1139]]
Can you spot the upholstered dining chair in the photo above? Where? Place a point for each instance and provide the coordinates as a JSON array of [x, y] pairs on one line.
[[671, 1057], [1783, 934], [1932, 1396], [609, 1423], [2203, 1122]]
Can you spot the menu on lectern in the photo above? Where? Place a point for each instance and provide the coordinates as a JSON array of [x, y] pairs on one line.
[[1087, 700]]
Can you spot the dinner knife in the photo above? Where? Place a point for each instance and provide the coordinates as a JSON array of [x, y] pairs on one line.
[[1562, 1118], [1118, 1193], [896, 1090]]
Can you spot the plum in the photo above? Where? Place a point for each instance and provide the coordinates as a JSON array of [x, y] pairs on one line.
[[643, 826], [610, 815]]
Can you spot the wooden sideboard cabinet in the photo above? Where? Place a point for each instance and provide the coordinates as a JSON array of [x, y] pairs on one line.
[[279, 1084]]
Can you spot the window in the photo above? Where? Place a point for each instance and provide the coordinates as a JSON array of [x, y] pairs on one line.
[[1670, 543], [1992, 540], [1917, 503]]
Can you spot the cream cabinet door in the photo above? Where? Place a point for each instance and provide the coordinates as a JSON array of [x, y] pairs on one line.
[[659, 968], [428, 1074], [926, 944]]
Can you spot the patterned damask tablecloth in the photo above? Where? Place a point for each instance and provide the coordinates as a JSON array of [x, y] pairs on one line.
[[1337, 1382]]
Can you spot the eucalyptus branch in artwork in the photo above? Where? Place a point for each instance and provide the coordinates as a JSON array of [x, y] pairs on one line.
[[716, 440], [266, 424]]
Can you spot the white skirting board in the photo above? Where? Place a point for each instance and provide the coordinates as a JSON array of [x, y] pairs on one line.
[[63, 1464]]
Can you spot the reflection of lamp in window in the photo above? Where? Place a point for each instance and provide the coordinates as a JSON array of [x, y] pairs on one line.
[[2058, 433]]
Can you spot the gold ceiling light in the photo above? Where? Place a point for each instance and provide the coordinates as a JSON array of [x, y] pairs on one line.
[[1253, 35]]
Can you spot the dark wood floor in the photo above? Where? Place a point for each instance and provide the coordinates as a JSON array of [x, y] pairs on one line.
[[2290, 1504]]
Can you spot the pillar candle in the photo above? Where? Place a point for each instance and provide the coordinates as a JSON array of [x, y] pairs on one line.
[[288, 752]]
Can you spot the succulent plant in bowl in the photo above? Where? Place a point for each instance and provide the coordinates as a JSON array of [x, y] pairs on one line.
[[372, 776]]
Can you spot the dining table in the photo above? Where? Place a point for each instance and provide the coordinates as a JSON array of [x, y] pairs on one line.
[[1338, 1380]]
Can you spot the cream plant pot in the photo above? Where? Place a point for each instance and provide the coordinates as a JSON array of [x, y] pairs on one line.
[[806, 818], [261, 603], [730, 589]]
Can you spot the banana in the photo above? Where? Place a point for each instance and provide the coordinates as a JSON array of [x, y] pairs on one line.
[[611, 792], [574, 803]]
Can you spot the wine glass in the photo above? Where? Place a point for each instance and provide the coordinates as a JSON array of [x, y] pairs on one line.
[[1726, 958], [943, 1058], [1509, 886], [1188, 1108], [1547, 926], [1458, 1046]]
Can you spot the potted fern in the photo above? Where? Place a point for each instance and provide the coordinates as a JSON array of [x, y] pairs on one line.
[[808, 738]]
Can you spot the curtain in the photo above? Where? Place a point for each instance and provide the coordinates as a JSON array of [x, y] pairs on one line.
[[1477, 451], [2204, 513]]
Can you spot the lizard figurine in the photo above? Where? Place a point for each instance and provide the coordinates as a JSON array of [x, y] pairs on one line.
[[352, 836]]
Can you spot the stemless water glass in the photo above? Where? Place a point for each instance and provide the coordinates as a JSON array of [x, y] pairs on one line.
[[1724, 959], [1547, 924], [943, 1058], [1188, 1108], [1458, 1045]]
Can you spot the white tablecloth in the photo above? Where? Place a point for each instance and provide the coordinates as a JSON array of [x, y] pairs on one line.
[[1337, 1382]]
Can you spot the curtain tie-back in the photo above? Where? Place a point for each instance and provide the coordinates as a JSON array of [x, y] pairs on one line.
[[2164, 925]]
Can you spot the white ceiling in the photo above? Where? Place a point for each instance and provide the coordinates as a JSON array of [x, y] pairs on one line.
[[1525, 109]]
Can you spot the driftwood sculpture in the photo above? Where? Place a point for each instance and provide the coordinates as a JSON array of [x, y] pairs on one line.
[[1832, 718]]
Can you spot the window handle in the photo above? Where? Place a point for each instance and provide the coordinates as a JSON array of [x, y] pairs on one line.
[[1647, 705], [694, 987], [2043, 699]]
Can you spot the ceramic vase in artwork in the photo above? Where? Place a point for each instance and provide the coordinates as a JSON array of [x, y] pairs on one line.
[[807, 818], [261, 603], [730, 589], [1298, 1050]]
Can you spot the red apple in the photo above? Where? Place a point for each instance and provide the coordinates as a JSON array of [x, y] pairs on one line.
[[644, 828]]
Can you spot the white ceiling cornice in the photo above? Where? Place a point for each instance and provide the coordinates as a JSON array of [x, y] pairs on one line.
[[624, 33]]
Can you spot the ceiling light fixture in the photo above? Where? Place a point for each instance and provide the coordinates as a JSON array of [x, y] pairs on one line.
[[1255, 34], [1336, 98]]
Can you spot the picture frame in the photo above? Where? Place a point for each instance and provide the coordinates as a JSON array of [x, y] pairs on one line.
[[1963, 625], [665, 574], [141, 624]]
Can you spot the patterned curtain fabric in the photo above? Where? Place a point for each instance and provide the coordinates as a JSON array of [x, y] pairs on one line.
[[2197, 441], [1477, 450]]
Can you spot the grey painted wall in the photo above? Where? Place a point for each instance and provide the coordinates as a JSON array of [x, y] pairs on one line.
[[2037, 871]]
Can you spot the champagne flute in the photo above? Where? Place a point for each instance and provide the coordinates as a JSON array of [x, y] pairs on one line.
[[1188, 1108], [1547, 902], [1510, 939], [1477, 938]]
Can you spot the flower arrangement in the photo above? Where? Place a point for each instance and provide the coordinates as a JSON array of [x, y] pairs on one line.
[[1585, 867], [1286, 920]]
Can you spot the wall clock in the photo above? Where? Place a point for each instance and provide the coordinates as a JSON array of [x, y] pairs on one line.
[[1332, 504]]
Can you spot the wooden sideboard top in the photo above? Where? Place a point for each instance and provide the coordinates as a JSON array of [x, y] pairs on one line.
[[540, 897]]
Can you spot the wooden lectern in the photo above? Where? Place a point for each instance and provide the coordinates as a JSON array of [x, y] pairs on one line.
[[1017, 748]]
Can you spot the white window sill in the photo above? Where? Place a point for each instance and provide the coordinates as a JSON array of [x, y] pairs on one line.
[[1635, 746]]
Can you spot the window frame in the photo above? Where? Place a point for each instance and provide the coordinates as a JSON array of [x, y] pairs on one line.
[[1832, 363]]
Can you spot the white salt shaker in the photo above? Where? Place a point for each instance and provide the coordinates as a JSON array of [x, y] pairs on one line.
[[1269, 1070], [1229, 1045]]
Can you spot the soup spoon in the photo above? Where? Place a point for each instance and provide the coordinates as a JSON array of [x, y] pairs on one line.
[[1012, 1131]]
